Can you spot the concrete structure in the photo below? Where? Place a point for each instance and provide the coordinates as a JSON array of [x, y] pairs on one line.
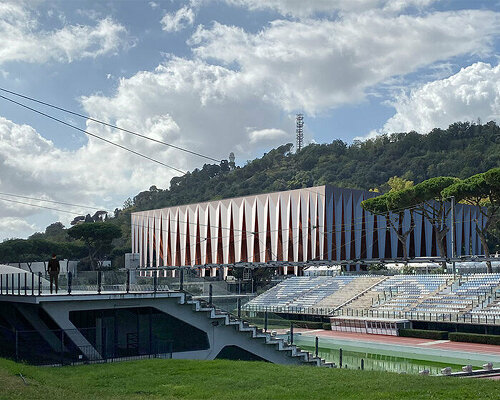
[[318, 223], [90, 326]]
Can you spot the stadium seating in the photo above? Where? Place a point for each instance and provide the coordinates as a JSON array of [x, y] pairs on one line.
[[349, 291], [475, 294], [473, 289], [300, 291], [400, 292]]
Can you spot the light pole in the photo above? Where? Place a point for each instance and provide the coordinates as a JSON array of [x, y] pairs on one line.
[[453, 234]]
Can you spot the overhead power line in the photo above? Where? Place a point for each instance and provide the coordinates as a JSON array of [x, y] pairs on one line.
[[38, 206], [50, 201], [92, 134], [110, 125]]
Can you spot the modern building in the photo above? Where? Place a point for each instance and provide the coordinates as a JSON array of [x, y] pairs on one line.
[[318, 223]]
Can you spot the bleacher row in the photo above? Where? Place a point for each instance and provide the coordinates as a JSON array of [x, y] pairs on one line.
[[476, 294]]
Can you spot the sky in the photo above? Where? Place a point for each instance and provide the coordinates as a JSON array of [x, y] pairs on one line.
[[220, 76]]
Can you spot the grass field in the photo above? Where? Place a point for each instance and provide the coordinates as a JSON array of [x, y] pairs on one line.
[[183, 379]]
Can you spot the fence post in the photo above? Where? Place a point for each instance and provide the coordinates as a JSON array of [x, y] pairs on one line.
[[19, 284], [25, 283], [316, 346], [127, 287], [210, 294], [239, 307], [104, 350], [39, 283], [1, 284], [291, 332], [17, 346], [70, 281], [340, 357], [362, 364], [13, 286], [99, 282], [32, 284], [155, 282], [62, 347], [265, 321], [181, 279]]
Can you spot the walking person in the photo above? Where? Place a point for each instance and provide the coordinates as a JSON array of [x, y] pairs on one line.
[[53, 268]]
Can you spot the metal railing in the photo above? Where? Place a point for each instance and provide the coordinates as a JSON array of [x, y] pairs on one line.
[[88, 282], [421, 316], [212, 291], [55, 347]]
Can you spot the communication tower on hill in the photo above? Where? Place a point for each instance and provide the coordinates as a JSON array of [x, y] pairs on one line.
[[299, 130], [232, 164]]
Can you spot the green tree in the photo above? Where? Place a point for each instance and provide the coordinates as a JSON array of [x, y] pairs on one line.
[[98, 238], [482, 191], [426, 198], [396, 183], [21, 250], [388, 205]]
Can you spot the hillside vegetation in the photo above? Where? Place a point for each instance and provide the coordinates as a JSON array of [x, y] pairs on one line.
[[462, 150]]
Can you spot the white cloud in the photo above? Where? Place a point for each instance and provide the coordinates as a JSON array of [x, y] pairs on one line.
[[207, 107], [13, 227], [23, 40], [266, 135], [188, 103], [303, 8], [182, 18], [310, 65], [472, 93], [315, 65]]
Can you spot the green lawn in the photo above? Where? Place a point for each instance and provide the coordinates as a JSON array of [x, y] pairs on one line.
[[182, 379]]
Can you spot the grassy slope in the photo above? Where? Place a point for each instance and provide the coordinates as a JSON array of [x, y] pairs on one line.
[[181, 379]]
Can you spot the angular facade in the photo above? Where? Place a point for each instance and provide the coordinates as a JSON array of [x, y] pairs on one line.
[[319, 223]]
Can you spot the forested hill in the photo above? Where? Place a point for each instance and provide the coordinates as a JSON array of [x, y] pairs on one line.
[[461, 150]]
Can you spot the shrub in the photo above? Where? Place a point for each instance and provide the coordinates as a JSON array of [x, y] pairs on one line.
[[474, 338], [327, 326], [424, 334], [308, 324]]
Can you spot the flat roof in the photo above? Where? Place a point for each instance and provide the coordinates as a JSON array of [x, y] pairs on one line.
[[372, 319], [87, 296]]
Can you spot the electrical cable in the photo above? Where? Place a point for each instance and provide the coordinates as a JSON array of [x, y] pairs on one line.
[[109, 125], [37, 205], [92, 134], [50, 201]]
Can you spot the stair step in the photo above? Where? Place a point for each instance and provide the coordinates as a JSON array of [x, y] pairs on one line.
[[258, 333]]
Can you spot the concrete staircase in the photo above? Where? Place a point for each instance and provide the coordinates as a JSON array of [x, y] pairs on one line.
[[279, 344], [368, 297], [350, 292]]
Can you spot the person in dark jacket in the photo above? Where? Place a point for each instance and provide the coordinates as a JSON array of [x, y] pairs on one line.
[[53, 268]]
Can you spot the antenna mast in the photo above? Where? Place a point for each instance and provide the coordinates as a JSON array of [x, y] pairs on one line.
[[299, 130]]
